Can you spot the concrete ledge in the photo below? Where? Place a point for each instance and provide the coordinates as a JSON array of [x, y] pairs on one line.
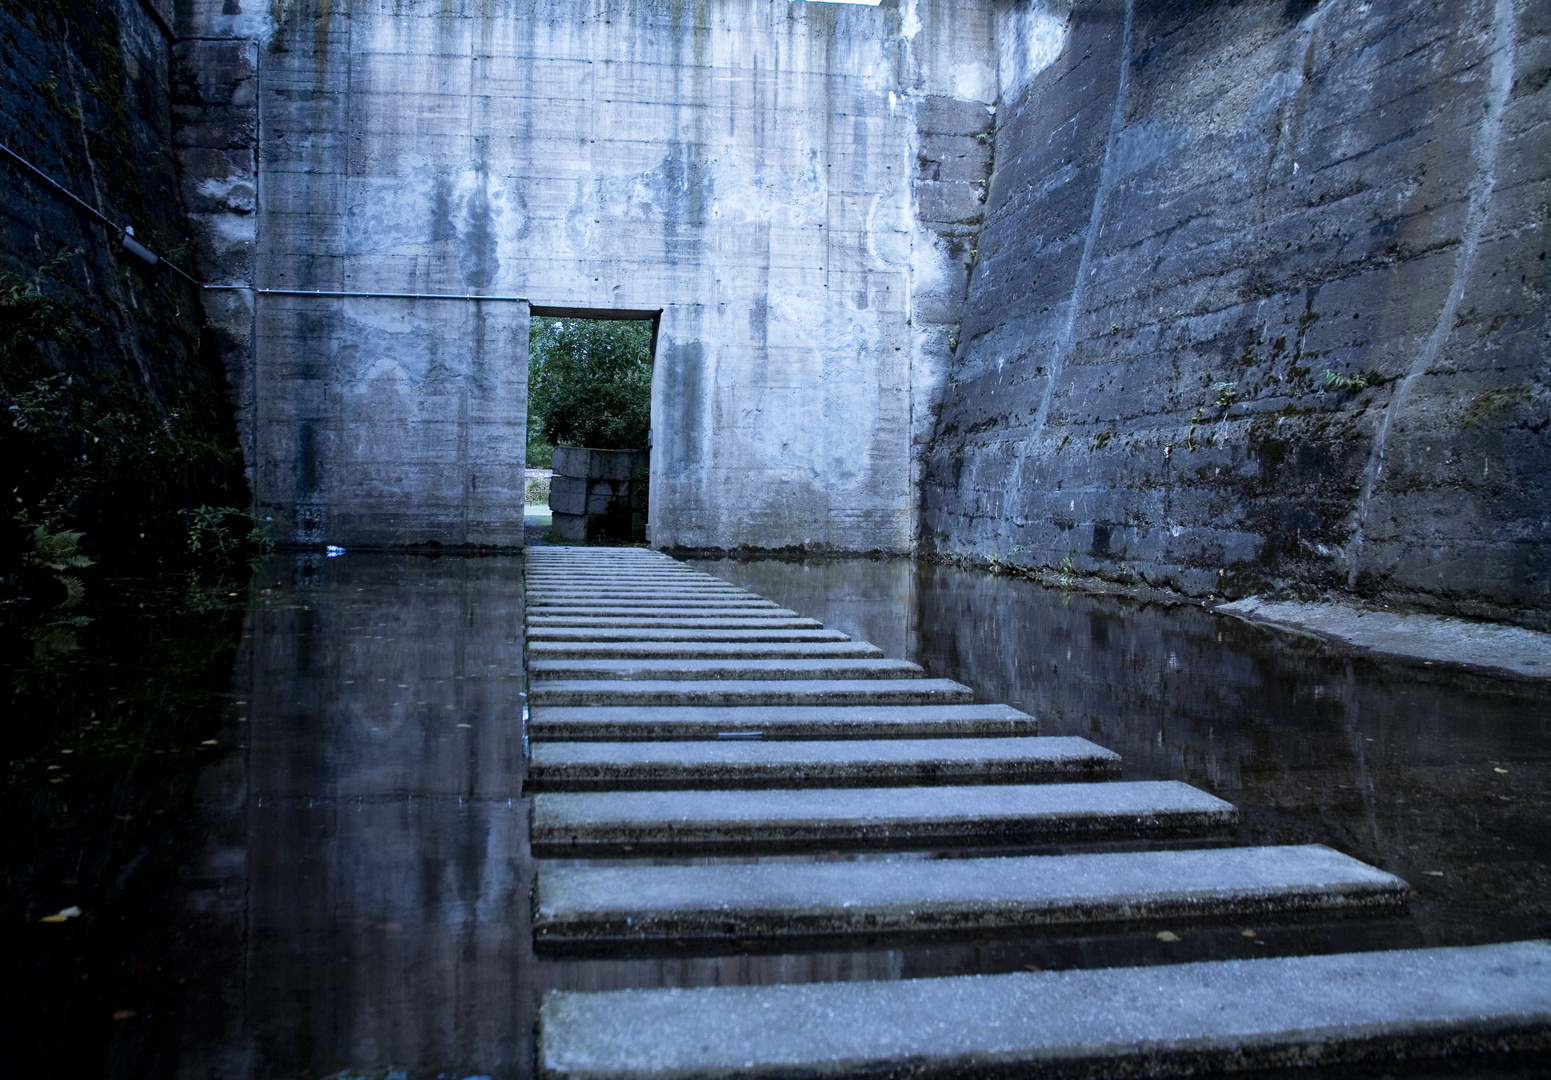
[[689, 635], [1152, 1021], [578, 823], [1432, 639], [701, 621], [591, 766], [594, 905], [658, 649], [658, 610], [749, 692], [631, 723], [729, 670]]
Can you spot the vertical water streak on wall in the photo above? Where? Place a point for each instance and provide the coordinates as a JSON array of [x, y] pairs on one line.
[[1484, 152], [1067, 336]]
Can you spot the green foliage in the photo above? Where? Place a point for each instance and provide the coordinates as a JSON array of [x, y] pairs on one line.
[[227, 533], [1361, 381], [89, 449], [536, 492], [589, 383], [1224, 394]]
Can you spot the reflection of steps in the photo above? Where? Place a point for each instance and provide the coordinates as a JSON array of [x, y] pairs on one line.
[[673, 714]]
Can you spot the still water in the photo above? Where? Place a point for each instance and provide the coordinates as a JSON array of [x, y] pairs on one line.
[[290, 811]]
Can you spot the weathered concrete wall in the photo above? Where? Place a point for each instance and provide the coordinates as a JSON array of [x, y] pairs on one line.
[[792, 184], [1254, 194]]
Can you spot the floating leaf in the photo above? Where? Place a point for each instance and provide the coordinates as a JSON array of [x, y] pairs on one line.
[[1167, 935]]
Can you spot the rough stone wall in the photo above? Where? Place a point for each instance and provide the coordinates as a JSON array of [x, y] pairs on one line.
[[791, 184], [1197, 211], [115, 418]]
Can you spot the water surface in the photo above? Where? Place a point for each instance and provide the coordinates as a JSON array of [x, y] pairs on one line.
[[293, 817]]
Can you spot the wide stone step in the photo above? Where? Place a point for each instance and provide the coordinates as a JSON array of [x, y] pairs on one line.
[[1169, 1020], [745, 670], [702, 650], [582, 823], [749, 692], [582, 766], [589, 904], [713, 588], [657, 600], [634, 723], [603, 636], [615, 616], [733, 621]]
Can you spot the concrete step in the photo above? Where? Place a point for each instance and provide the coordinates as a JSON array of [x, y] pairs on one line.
[[673, 592], [749, 692], [631, 723], [615, 615], [702, 650], [743, 670], [1172, 1020], [583, 636], [654, 600], [590, 904], [702, 621], [584, 823], [591, 766]]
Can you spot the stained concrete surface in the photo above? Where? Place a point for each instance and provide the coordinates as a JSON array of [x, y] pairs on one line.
[[589, 905], [1432, 639], [565, 823], [776, 721], [741, 763], [1172, 1020], [739, 692]]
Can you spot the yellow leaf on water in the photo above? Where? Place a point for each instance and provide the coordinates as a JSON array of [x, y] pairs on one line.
[[1167, 935], [1503, 771], [55, 918], [208, 742]]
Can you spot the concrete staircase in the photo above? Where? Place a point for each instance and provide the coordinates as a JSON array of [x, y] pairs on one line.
[[672, 714]]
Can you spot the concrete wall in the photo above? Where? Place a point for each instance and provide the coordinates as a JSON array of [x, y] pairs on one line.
[[792, 184], [1257, 193], [115, 415]]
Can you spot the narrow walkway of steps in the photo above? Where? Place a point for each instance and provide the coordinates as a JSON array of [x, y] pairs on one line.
[[675, 715]]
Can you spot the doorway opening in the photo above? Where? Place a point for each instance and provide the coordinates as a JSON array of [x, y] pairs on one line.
[[589, 424]]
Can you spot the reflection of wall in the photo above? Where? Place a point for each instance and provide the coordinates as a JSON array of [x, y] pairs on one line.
[[1253, 194], [871, 600], [366, 847], [793, 184], [1394, 765]]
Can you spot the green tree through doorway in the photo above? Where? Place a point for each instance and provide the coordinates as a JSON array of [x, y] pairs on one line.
[[589, 384]]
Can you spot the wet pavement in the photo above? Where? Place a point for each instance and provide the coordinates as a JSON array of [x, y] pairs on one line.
[[293, 820]]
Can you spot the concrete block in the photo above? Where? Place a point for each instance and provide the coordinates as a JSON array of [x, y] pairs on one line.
[[747, 669], [866, 721], [565, 526], [750, 692], [574, 905], [742, 763], [1181, 1019], [568, 823]]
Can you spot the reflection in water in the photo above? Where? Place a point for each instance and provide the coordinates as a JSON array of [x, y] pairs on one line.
[[355, 887], [1440, 778]]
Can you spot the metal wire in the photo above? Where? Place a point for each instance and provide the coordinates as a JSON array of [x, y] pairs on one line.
[[92, 210]]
